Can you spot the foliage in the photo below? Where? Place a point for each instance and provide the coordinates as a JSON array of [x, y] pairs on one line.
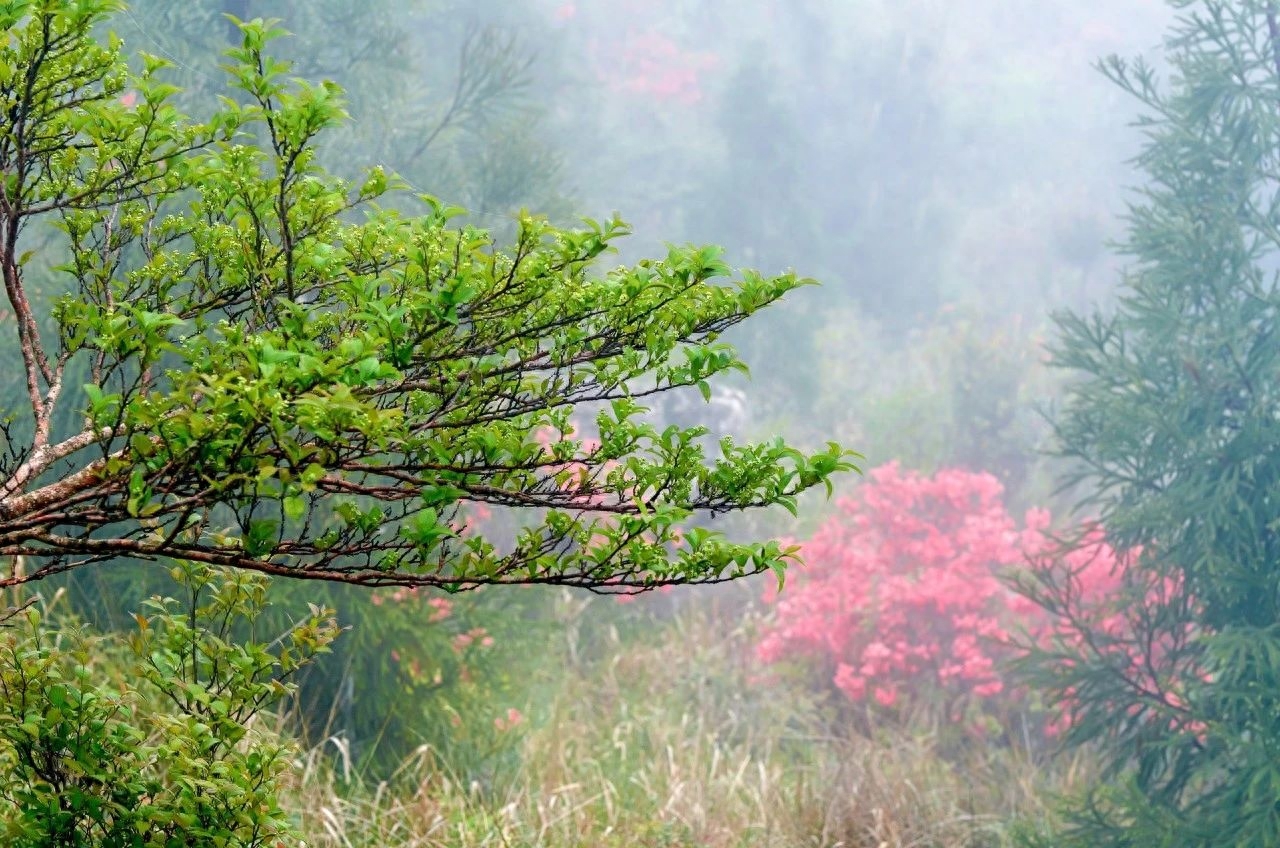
[[393, 683], [169, 760], [290, 378], [1172, 423], [902, 600], [439, 90], [1090, 600]]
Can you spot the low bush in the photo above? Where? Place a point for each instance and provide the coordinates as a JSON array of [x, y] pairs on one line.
[[906, 600], [151, 740]]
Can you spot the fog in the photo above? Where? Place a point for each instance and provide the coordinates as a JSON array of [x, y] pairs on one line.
[[951, 175]]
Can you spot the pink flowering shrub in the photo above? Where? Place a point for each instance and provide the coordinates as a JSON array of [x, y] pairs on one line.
[[642, 52], [651, 64], [905, 597]]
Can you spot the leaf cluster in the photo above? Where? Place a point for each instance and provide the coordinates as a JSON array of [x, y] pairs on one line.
[[170, 759], [290, 374]]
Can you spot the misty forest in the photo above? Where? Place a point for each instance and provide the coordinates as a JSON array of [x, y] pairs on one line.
[[726, 423]]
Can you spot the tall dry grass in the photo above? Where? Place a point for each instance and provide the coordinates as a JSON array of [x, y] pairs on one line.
[[673, 741]]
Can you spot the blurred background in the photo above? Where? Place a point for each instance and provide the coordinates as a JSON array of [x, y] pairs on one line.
[[951, 174]]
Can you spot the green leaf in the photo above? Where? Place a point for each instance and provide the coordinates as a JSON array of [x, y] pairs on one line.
[[262, 537], [294, 507]]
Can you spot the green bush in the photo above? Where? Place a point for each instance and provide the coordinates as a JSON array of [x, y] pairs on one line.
[[172, 758], [419, 669]]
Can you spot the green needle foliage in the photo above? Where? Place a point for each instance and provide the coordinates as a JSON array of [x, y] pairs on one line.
[[290, 374], [1174, 424]]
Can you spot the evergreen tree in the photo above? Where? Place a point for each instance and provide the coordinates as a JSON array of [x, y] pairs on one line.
[[1173, 425]]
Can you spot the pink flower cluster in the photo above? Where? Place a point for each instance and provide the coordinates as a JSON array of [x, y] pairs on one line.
[[646, 57], [475, 636], [439, 608], [652, 64], [904, 592], [510, 720]]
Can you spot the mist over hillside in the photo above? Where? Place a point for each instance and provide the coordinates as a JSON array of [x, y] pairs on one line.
[[640, 423]]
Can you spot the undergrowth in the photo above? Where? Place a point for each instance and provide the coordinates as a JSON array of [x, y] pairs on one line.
[[673, 739]]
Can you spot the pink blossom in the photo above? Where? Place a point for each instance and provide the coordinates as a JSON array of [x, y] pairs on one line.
[[474, 636], [904, 592], [510, 720], [441, 608]]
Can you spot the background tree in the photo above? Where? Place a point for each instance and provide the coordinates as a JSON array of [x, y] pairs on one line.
[[1172, 423], [260, 353], [438, 90], [890, 142]]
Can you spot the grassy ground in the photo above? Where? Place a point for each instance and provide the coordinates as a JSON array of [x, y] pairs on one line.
[[671, 739]]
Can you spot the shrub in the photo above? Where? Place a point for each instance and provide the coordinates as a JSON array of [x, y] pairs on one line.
[[422, 669], [906, 599], [172, 760]]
